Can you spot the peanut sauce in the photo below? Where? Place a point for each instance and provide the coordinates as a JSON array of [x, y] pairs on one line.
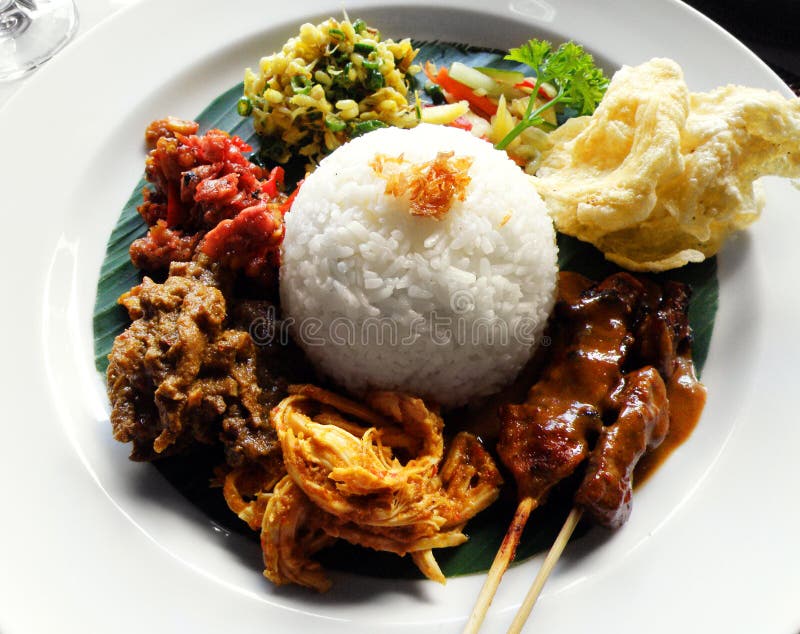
[[684, 393], [687, 397]]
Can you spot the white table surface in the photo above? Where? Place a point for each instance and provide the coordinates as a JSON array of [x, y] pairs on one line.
[[90, 13]]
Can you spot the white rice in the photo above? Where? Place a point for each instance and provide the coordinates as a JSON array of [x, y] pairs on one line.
[[446, 309]]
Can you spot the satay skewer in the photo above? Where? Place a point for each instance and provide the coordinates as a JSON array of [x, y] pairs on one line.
[[550, 562], [559, 404], [561, 424], [502, 559]]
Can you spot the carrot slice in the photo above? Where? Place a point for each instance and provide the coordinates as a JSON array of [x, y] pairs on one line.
[[481, 105]]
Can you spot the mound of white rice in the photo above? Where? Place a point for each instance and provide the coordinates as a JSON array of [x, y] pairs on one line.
[[447, 309]]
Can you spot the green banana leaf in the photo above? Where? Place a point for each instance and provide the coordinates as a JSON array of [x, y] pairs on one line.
[[190, 474]]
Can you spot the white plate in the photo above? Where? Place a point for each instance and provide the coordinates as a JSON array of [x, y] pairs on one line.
[[90, 542]]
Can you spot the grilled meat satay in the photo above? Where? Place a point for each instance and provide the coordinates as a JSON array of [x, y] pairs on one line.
[[662, 343], [543, 440], [606, 492], [603, 330], [616, 343], [663, 333]]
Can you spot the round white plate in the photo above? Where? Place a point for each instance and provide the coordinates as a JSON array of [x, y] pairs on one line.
[[90, 542]]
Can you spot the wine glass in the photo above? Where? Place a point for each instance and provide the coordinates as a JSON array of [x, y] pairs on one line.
[[31, 32]]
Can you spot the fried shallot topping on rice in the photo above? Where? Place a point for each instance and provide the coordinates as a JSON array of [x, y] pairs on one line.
[[431, 186], [375, 475]]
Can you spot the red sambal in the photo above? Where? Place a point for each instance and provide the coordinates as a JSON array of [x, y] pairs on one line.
[[207, 195]]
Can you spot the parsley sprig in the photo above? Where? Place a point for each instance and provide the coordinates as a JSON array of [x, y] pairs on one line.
[[580, 84]]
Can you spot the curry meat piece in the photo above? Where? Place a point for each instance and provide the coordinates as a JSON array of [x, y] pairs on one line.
[[543, 440], [177, 376]]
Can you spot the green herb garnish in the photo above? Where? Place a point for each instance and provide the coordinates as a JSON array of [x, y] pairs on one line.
[[370, 64], [301, 85], [374, 80], [579, 83], [362, 127], [435, 93], [334, 123], [363, 48], [244, 107]]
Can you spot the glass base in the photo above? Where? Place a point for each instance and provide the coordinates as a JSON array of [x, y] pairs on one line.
[[31, 32]]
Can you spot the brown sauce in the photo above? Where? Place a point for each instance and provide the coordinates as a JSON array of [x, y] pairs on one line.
[[685, 394], [687, 397]]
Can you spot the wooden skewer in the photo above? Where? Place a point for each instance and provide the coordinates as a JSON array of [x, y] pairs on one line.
[[501, 560], [544, 572]]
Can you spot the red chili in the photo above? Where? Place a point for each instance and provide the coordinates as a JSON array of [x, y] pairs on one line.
[[462, 123], [217, 189], [246, 237], [174, 211], [275, 181], [529, 83], [287, 205]]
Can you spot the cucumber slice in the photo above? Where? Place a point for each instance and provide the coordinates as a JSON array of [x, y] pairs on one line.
[[475, 79], [507, 77]]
